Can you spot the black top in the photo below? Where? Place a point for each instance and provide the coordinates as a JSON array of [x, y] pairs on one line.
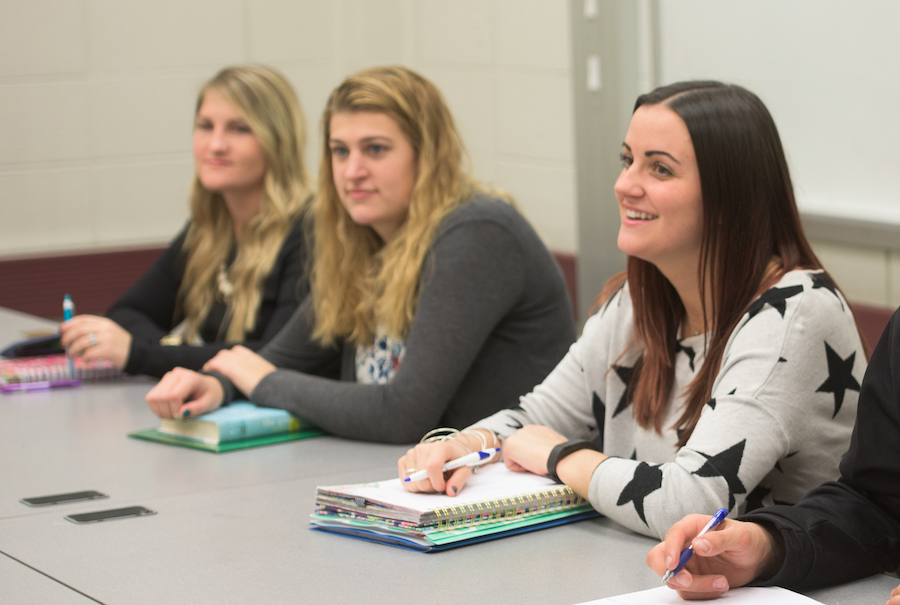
[[148, 310], [850, 528]]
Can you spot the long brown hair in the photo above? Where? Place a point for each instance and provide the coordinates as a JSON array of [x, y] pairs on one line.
[[358, 283], [265, 100], [751, 237]]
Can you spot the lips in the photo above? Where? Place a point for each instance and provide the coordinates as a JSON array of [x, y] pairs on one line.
[[359, 194]]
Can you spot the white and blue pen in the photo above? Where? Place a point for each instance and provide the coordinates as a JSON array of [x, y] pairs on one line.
[[68, 311], [688, 552], [467, 460]]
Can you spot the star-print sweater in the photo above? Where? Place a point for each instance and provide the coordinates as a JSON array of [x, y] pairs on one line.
[[780, 416]]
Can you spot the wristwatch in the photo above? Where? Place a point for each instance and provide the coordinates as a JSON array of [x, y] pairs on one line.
[[564, 449]]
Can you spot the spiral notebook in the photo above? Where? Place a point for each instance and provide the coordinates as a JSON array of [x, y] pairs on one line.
[[496, 502], [55, 367]]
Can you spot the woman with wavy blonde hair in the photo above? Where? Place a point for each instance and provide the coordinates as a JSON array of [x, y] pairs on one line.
[[432, 301], [233, 275]]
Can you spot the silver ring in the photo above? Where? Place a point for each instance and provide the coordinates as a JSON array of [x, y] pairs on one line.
[[410, 471], [93, 339]]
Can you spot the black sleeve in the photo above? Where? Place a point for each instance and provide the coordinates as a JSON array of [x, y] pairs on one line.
[[850, 528], [283, 290]]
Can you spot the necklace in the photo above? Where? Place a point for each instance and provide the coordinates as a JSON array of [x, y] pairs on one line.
[[224, 285]]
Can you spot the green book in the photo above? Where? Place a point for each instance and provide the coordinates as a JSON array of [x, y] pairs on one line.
[[233, 427]]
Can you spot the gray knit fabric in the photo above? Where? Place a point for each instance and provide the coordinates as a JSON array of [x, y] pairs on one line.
[[493, 320]]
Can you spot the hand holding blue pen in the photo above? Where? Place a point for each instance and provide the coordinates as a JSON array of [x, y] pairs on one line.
[[468, 460], [688, 552]]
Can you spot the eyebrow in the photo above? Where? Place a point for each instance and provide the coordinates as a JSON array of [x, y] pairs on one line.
[[365, 140], [653, 152]]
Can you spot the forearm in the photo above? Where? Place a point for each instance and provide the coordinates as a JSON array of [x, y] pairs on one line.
[[576, 469], [155, 359]]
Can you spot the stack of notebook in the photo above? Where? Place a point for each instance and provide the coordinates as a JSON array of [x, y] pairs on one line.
[[496, 502]]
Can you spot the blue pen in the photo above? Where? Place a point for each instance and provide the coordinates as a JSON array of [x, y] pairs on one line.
[[688, 552], [68, 311], [468, 460]]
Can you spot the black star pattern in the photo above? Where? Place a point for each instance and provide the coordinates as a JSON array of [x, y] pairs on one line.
[[840, 377], [778, 464], [514, 424], [690, 353], [725, 464], [634, 455], [600, 416], [775, 298], [647, 479], [821, 280], [624, 374], [782, 360], [711, 403], [755, 498], [733, 391]]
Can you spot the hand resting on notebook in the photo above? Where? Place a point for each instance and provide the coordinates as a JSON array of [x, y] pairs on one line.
[[185, 394], [525, 451]]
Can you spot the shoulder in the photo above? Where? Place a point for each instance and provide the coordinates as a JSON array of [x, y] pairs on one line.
[[297, 233], [613, 321], [797, 315], [800, 294], [485, 209]]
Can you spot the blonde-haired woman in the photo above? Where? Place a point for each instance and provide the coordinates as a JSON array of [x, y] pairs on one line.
[[432, 301], [235, 273]]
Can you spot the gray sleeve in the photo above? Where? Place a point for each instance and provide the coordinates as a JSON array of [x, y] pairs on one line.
[[472, 277]]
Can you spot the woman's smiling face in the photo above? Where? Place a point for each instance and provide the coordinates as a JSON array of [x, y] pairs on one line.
[[659, 192]]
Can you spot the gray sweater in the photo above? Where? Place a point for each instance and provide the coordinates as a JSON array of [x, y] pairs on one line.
[[781, 414], [493, 319]]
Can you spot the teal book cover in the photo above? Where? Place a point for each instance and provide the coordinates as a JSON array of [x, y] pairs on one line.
[[235, 426]]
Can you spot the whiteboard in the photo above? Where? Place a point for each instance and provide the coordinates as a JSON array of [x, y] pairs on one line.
[[829, 72]]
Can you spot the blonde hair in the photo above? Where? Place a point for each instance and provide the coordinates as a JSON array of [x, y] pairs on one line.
[[359, 283], [266, 101]]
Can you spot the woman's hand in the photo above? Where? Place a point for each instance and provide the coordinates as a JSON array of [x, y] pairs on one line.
[[734, 554], [432, 457], [184, 393], [895, 597], [529, 448], [242, 366], [94, 337]]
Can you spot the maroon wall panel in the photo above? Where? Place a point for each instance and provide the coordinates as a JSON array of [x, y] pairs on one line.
[[95, 280], [566, 264]]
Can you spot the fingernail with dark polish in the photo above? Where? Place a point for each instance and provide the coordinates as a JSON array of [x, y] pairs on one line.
[[185, 413], [454, 489]]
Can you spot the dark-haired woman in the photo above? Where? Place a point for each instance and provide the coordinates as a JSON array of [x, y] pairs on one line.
[[723, 367]]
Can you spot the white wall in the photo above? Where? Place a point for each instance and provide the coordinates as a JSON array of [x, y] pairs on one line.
[[827, 71], [96, 100]]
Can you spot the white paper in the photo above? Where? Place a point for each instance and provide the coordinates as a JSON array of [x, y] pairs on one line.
[[770, 595], [494, 481]]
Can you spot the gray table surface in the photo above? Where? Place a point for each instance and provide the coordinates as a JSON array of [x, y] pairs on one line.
[[232, 528]]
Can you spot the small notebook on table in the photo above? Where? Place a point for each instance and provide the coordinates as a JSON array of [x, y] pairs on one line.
[[495, 502], [237, 426], [42, 368]]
